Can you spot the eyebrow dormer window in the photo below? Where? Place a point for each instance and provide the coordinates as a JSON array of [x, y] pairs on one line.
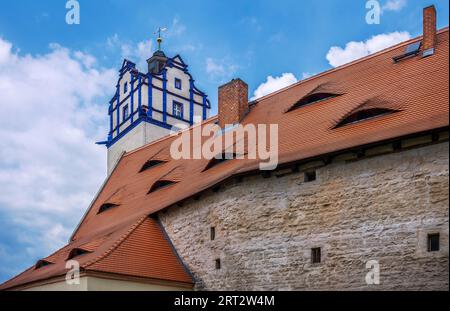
[[365, 114], [216, 161], [178, 83], [160, 184], [106, 206], [312, 99], [42, 263], [77, 252], [150, 164]]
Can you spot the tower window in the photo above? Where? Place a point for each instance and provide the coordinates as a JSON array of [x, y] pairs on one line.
[[125, 112], [316, 255], [433, 242], [178, 83], [213, 233], [310, 176], [218, 263], [125, 87], [177, 109]]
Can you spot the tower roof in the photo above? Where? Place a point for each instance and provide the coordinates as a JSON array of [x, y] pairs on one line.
[[159, 53]]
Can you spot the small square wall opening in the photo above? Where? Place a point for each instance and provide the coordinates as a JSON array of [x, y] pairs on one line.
[[213, 233], [218, 266], [433, 242], [310, 176], [316, 255]]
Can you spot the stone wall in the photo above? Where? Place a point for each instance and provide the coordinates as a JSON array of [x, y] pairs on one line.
[[380, 208]]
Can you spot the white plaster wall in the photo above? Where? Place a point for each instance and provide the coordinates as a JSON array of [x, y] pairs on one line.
[[89, 283], [61, 286], [157, 99], [142, 134], [153, 132], [132, 140], [173, 73]]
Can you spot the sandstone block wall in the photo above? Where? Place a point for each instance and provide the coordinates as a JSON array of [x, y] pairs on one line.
[[380, 208]]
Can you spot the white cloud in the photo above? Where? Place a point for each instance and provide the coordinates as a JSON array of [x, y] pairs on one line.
[[87, 60], [138, 53], [5, 51], [141, 51], [306, 75], [274, 84], [176, 28], [213, 67], [135, 52], [54, 108], [353, 50], [220, 69], [394, 5]]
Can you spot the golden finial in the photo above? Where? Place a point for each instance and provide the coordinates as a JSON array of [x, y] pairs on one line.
[[159, 39]]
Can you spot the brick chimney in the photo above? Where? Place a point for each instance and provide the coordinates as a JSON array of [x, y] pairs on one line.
[[429, 30], [233, 102]]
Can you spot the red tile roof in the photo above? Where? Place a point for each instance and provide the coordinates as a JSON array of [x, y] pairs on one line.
[[416, 87], [140, 249]]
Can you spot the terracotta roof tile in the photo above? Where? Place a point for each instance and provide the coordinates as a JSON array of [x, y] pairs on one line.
[[417, 87], [144, 253], [137, 250]]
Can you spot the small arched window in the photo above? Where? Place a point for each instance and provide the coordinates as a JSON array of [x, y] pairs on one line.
[[312, 99], [363, 115], [106, 206], [149, 164], [162, 183], [77, 252], [218, 160], [42, 263]]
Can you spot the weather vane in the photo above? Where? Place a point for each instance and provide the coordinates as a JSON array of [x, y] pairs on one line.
[[159, 39]]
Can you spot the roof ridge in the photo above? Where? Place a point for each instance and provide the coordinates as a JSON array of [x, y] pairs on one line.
[[354, 62], [116, 243]]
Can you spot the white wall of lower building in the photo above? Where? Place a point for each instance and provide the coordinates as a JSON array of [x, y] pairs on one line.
[[90, 283]]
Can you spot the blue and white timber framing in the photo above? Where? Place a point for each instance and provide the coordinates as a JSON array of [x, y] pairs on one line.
[[147, 99], [155, 104]]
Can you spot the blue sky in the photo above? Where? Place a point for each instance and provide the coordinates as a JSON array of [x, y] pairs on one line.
[[56, 79]]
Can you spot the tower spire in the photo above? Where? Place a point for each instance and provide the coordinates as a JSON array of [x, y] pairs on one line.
[[159, 39]]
